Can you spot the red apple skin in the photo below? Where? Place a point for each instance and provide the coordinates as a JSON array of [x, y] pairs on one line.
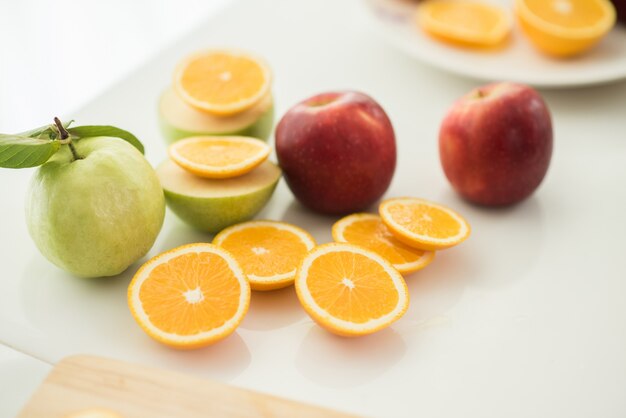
[[337, 151], [495, 144]]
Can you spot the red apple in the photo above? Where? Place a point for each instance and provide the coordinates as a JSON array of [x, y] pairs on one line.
[[495, 143], [337, 151]]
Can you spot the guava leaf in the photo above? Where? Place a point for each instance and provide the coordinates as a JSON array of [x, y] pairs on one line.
[[105, 130], [44, 132], [17, 151]]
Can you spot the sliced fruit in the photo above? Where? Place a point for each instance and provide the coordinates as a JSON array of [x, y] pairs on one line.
[[565, 27], [369, 231], [222, 82], [190, 296], [349, 290], [422, 224], [269, 252], [219, 157], [179, 120], [469, 23], [212, 205]]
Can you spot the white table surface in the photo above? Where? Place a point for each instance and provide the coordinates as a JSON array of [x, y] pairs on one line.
[[20, 374], [526, 318]]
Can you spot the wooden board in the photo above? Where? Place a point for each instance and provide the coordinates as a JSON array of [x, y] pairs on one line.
[[80, 383]]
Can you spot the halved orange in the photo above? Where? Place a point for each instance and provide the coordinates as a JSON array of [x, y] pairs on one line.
[[470, 23], [349, 290], [269, 252], [422, 224], [565, 27], [219, 157], [222, 82], [369, 231], [190, 296]]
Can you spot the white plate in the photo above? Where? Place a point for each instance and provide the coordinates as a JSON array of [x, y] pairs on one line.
[[519, 61]]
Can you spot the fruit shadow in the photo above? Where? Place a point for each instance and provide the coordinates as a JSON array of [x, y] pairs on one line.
[[504, 245], [340, 362], [176, 233], [72, 315], [434, 290], [223, 360], [316, 224], [273, 309], [69, 307]]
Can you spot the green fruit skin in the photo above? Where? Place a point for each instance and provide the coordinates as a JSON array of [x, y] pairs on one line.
[[261, 129], [97, 215], [214, 214]]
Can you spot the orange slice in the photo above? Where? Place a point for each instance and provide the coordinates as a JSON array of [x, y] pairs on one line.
[[422, 224], [349, 290], [190, 296], [369, 231], [222, 82], [269, 252], [468, 23], [565, 27], [219, 157]]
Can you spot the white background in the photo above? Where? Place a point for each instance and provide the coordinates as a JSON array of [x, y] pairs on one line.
[[56, 55]]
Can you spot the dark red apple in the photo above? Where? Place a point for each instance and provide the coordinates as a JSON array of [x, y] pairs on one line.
[[495, 143], [337, 151]]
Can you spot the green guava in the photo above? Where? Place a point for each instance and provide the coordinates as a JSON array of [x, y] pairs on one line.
[[95, 215], [213, 204]]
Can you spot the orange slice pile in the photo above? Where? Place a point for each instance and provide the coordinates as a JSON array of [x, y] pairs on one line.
[[219, 157], [190, 296], [369, 231], [422, 224], [470, 23], [565, 27], [269, 252], [222, 82], [349, 290]]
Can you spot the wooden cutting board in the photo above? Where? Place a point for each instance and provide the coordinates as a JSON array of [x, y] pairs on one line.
[[82, 383]]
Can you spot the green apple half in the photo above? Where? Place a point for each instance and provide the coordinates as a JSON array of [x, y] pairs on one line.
[[211, 205], [96, 215], [179, 120]]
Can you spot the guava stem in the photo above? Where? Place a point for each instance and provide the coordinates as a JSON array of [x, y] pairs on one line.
[[66, 138]]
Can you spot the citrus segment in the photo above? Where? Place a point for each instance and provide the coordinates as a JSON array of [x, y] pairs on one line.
[[222, 82], [349, 290], [565, 27], [470, 23], [422, 224], [269, 252], [190, 296], [369, 231], [219, 157]]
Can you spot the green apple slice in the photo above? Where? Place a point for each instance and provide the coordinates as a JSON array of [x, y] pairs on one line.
[[179, 120], [211, 205]]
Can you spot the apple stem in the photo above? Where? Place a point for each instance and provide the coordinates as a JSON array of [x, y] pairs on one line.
[[66, 138]]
